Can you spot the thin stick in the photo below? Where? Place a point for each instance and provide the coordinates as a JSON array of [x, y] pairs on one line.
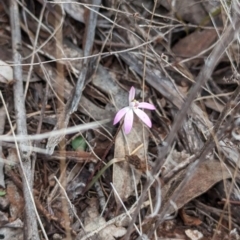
[[31, 230], [69, 130]]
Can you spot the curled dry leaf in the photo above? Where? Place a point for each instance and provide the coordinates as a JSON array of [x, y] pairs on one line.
[[189, 220]]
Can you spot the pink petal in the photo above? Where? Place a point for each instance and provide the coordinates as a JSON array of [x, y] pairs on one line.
[[128, 121], [131, 94], [120, 115], [146, 105], [144, 117]]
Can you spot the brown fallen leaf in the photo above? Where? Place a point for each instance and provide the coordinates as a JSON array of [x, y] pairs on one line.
[[16, 201], [189, 220], [187, 47], [207, 174]]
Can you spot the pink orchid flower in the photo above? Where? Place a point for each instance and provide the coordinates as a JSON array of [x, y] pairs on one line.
[[129, 111]]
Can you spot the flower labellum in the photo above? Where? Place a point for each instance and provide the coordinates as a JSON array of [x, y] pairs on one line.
[[129, 111]]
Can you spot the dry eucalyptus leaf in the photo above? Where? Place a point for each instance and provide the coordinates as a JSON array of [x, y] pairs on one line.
[[123, 177], [207, 174], [214, 105], [187, 46]]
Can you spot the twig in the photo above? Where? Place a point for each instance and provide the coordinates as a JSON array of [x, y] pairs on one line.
[[30, 230], [3, 118], [70, 130]]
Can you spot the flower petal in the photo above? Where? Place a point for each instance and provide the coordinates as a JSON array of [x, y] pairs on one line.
[[120, 115], [146, 105], [128, 121], [144, 117], [131, 94]]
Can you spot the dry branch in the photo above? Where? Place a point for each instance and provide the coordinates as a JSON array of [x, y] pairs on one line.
[[3, 118], [30, 228]]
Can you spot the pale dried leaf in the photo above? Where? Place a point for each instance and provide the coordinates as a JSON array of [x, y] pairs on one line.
[[6, 72], [112, 232], [76, 11], [96, 226], [13, 230], [194, 234], [230, 151], [214, 105], [123, 178]]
